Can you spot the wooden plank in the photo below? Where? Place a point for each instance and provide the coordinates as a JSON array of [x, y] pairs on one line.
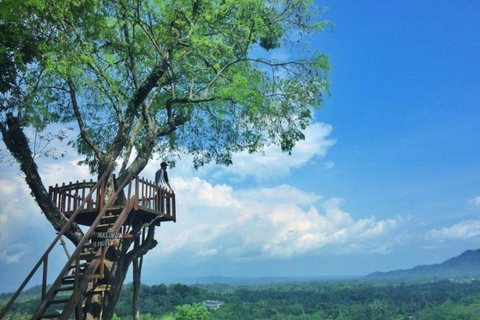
[[149, 195], [169, 213], [44, 277], [137, 196], [76, 199], [83, 195], [174, 209], [62, 200]]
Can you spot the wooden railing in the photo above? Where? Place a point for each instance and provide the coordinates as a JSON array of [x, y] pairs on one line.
[[154, 198], [74, 198], [70, 197], [43, 261], [81, 284]]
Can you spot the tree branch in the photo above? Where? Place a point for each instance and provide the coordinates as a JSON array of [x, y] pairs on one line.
[[81, 124], [138, 98], [146, 246], [136, 129]]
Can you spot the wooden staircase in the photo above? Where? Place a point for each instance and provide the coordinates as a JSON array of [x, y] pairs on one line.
[[85, 267], [84, 203]]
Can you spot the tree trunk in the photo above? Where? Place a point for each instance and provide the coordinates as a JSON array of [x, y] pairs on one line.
[[137, 274], [100, 306], [17, 143], [96, 306]]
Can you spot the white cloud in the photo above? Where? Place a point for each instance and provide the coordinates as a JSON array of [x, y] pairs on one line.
[[263, 223], [17, 210], [6, 187], [19, 214], [13, 253], [273, 162], [460, 231], [66, 171], [329, 165], [475, 201], [269, 164]]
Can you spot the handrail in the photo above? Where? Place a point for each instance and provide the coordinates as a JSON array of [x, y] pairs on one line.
[[78, 249], [54, 242], [150, 197], [147, 195], [83, 282]]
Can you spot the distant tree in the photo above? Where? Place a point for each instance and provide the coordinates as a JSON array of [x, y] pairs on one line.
[[191, 312], [173, 77]]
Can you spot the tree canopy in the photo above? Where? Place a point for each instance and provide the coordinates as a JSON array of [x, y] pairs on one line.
[[175, 77]]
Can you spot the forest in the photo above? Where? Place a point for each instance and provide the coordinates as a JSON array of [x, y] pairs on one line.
[[341, 300]]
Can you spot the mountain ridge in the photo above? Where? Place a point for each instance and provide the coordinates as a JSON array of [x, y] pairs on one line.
[[465, 265]]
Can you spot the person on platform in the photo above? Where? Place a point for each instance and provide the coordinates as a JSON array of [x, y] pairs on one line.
[[161, 177]]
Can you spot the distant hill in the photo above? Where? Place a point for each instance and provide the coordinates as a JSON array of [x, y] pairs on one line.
[[466, 265], [255, 280]]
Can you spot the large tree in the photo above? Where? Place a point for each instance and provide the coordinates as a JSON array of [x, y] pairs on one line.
[[169, 77]]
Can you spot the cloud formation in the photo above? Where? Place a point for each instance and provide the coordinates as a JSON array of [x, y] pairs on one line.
[[17, 211], [475, 202], [275, 163], [265, 223], [460, 231]]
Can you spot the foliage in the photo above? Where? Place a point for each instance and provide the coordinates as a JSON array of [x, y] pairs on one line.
[[341, 300], [199, 72], [191, 312]]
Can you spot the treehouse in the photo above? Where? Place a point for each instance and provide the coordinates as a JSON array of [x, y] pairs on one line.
[[122, 214], [150, 203]]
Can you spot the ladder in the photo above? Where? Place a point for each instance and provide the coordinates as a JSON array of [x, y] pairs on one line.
[[86, 264]]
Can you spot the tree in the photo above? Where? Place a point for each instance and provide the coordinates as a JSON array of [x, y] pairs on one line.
[[168, 77], [192, 312]]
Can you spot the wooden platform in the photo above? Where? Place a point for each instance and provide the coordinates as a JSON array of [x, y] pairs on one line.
[[152, 203]]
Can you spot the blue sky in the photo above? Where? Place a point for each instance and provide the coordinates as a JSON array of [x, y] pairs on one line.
[[387, 178]]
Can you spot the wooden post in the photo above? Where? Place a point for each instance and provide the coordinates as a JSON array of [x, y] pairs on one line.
[[55, 195], [90, 202], [144, 192], [78, 307], [136, 192], [129, 192], [76, 200], [44, 277], [69, 197], [169, 212], [157, 199], [62, 199], [102, 261], [83, 192], [174, 205]]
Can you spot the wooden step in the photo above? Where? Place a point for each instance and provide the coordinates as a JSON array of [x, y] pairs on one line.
[[81, 265], [102, 288], [94, 276], [88, 256], [110, 218], [69, 288], [72, 276], [104, 226], [68, 281], [50, 316], [58, 301]]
